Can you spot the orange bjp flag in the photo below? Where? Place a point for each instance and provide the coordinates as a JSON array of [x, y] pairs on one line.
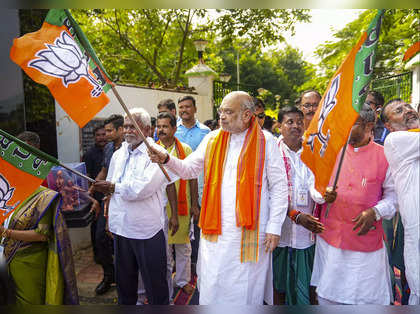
[[60, 57], [331, 125], [22, 170]]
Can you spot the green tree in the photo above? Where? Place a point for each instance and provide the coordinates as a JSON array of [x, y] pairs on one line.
[[276, 75], [39, 103], [151, 44], [400, 29]]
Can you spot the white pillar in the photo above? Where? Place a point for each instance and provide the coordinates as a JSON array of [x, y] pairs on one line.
[[414, 66], [415, 95], [201, 77]]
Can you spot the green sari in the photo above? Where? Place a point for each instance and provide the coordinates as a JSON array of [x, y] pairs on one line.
[[43, 272]]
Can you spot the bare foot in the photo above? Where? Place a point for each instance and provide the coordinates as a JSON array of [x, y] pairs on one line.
[[188, 289]]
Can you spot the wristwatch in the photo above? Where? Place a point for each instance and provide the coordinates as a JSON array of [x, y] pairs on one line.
[[112, 189]]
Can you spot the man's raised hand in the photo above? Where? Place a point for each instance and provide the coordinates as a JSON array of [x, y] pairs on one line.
[[156, 155]]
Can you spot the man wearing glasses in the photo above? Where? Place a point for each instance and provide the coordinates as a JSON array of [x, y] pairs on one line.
[[308, 105], [376, 101], [259, 110]]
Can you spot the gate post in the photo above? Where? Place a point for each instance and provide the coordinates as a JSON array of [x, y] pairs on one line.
[[201, 77]]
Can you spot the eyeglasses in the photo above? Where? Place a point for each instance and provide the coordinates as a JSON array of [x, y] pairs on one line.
[[308, 106], [227, 112], [260, 115]]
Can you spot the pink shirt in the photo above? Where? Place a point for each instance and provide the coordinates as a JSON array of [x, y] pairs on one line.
[[360, 186]]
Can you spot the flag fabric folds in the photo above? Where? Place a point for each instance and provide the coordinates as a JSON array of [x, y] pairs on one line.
[[340, 106], [60, 56], [22, 170]]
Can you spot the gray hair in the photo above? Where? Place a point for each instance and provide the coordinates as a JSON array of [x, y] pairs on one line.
[[141, 115], [367, 114], [246, 100]]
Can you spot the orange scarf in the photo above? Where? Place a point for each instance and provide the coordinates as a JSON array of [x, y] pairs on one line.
[[248, 188], [182, 191]]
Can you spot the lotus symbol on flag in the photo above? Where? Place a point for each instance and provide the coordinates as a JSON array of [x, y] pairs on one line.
[[329, 103], [6, 194], [65, 60]]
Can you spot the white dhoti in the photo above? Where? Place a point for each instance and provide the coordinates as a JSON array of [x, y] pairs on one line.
[[351, 277], [223, 279]]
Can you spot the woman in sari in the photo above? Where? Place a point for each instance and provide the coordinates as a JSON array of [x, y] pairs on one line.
[[38, 251]]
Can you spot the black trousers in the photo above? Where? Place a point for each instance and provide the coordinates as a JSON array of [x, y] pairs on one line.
[[104, 246], [147, 256], [195, 244]]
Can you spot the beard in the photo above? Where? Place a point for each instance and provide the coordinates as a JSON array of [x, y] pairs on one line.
[[411, 120], [132, 139]]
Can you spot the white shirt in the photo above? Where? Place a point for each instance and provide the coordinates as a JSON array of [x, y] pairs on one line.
[[135, 209], [222, 277], [294, 235], [402, 150]]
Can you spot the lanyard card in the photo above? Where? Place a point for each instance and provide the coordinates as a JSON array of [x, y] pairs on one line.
[[302, 196]]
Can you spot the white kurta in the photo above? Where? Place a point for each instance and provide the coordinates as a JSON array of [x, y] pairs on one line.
[[402, 150], [294, 235], [222, 276]]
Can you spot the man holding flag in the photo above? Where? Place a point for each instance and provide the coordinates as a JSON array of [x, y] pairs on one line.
[[328, 133], [351, 266], [243, 208]]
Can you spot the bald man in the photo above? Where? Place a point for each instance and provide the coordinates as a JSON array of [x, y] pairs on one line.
[[243, 208]]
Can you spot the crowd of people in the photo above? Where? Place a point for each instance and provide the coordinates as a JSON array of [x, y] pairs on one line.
[[240, 210]]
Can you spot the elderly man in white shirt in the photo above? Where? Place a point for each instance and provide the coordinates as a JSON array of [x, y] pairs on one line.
[[136, 216], [293, 258], [234, 260], [402, 150]]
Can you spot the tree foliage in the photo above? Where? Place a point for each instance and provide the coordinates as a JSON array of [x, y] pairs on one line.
[[276, 75], [148, 45], [400, 29]]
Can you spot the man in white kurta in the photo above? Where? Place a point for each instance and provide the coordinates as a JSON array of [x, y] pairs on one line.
[[222, 276], [294, 256], [402, 150]]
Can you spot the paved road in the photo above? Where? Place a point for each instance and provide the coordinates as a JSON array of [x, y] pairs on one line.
[[89, 275]]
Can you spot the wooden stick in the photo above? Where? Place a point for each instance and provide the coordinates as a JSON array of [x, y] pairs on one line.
[[143, 138], [77, 173], [338, 173]]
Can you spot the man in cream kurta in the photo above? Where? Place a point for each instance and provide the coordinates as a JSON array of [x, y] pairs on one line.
[[402, 150], [222, 276]]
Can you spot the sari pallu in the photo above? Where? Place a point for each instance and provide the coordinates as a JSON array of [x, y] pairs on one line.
[[43, 272]]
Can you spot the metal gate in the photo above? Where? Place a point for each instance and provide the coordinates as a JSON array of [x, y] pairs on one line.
[[395, 86], [221, 89]]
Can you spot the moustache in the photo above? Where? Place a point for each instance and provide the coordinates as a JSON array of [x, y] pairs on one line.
[[161, 133], [130, 137], [411, 115]]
